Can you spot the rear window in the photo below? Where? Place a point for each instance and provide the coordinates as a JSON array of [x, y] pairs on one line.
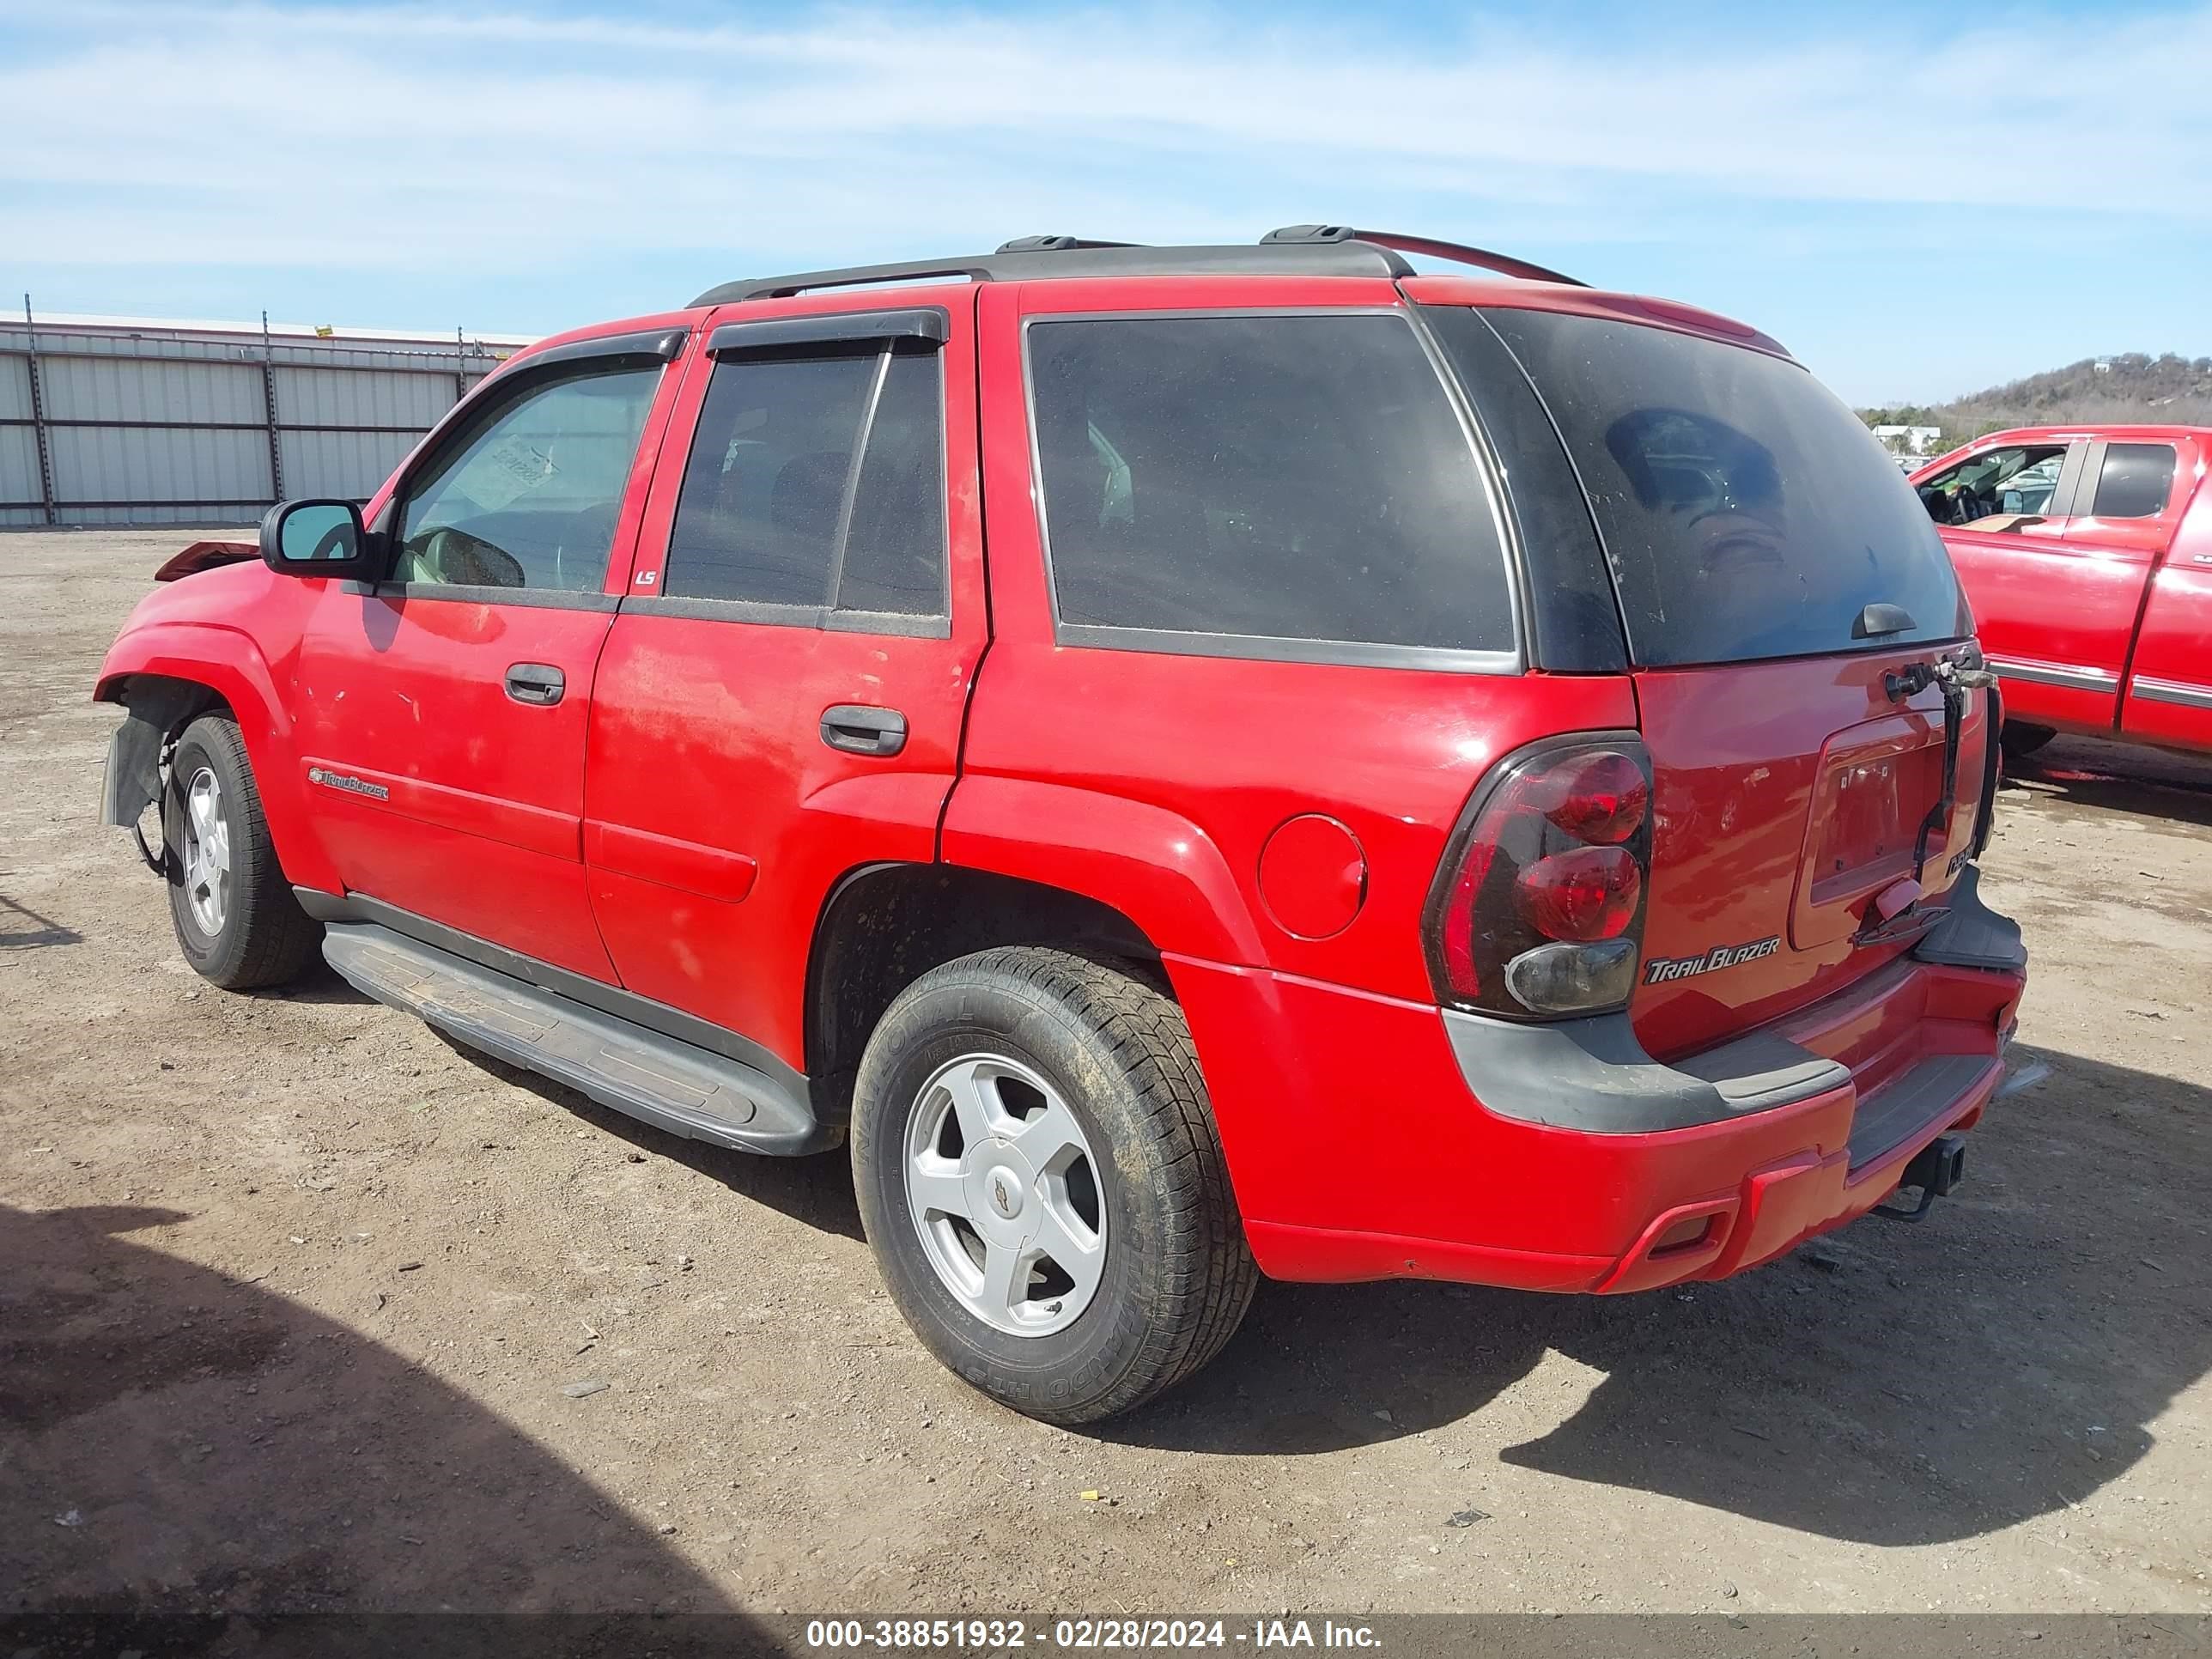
[[1295, 486], [2134, 480], [1745, 512]]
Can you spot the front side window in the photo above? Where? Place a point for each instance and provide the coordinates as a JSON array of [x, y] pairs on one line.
[[816, 482], [2133, 482], [1293, 479], [526, 493], [2012, 478]]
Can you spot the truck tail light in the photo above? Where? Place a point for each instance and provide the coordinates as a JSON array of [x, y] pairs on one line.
[[1538, 910]]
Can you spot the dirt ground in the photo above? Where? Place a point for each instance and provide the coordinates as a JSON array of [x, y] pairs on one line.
[[292, 1295]]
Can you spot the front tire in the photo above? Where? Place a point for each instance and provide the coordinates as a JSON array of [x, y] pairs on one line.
[[2019, 741], [1041, 1179], [235, 918]]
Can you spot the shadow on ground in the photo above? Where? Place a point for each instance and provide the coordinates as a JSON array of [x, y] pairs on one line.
[[182, 1448], [1890, 1384], [23, 928], [817, 1192], [2118, 777]]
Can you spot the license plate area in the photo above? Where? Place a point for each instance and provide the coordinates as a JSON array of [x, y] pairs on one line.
[[1874, 785]]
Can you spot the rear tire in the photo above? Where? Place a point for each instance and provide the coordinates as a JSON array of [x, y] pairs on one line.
[[2021, 741], [1087, 1124], [235, 918]]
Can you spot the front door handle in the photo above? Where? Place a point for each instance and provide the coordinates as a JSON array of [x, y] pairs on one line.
[[859, 729], [539, 684]]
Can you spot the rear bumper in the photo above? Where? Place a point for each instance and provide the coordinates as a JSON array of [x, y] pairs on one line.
[[1372, 1138]]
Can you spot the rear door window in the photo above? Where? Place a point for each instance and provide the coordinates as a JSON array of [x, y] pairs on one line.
[[1272, 485], [2133, 482], [1745, 512], [775, 513]]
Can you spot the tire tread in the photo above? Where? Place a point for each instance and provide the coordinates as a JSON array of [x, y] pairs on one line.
[[279, 939]]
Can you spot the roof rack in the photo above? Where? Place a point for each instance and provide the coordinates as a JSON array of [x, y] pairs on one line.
[[1293, 251], [1046, 257], [1458, 252]]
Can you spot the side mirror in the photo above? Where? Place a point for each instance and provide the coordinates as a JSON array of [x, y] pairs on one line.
[[314, 539]]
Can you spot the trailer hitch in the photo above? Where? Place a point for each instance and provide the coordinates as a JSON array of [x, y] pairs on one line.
[[1939, 1169]]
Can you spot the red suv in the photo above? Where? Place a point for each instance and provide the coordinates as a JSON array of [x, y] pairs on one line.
[[1194, 761]]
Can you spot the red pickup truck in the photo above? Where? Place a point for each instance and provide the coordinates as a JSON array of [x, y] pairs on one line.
[[1189, 762], [2086, 554]]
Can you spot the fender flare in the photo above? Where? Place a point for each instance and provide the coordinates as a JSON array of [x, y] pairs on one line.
[[151, 671], [1154, 865]]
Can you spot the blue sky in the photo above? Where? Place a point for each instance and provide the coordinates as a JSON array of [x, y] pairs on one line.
[[1917, 200]]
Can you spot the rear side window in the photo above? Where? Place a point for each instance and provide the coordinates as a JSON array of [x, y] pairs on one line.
[[1745, 512], [2133, 482], [1239, 480], [816, 484]]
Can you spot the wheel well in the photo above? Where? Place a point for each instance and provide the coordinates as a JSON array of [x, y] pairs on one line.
[[884, 927], [161, 706], [169, 701]]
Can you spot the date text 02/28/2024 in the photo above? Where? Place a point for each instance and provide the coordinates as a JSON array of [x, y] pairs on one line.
[[1083, 1635]]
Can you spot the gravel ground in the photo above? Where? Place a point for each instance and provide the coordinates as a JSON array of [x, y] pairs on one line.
[[298, 1300]]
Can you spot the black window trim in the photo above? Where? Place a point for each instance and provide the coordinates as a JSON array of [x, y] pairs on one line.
[[534, 598], [923, 327], [2066, 493], [1524, 570], [1259, 647], [898, 624], [830, 618], [664, 344], [640, 347]]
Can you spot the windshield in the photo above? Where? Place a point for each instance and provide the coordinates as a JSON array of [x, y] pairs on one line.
[[1745, 512]]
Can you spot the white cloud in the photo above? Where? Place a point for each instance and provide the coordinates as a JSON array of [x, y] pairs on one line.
[[410, 138]]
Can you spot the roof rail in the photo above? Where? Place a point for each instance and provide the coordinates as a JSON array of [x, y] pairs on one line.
[[1055, 243], [1457, 252], [1031, 256]]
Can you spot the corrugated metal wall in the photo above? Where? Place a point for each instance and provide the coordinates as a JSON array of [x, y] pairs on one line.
[[115, 424]]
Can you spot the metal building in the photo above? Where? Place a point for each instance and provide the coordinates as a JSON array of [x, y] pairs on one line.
[[128, 420]]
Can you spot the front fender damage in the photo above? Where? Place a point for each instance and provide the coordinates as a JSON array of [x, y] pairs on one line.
[[156, 710]]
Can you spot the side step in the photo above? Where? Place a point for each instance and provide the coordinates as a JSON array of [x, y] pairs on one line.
[[661, 1081]]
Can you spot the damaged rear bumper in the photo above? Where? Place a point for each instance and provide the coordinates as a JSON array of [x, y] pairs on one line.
[[1574, 1161]]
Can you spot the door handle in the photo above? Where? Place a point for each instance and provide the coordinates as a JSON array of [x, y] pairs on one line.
[[857, 729], [539, 684]]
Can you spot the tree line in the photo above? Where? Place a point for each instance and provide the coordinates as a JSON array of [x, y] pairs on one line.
[[2168, 390]]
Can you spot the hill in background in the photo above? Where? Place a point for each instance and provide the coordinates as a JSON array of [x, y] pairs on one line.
[[2167, 391]]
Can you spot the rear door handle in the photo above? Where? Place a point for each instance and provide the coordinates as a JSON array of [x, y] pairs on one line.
[[539, 684], [859, 729]]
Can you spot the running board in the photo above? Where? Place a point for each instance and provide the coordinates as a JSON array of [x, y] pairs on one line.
[[661, 1081]]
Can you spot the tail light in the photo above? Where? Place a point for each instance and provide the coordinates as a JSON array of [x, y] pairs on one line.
[[1538, 908]]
